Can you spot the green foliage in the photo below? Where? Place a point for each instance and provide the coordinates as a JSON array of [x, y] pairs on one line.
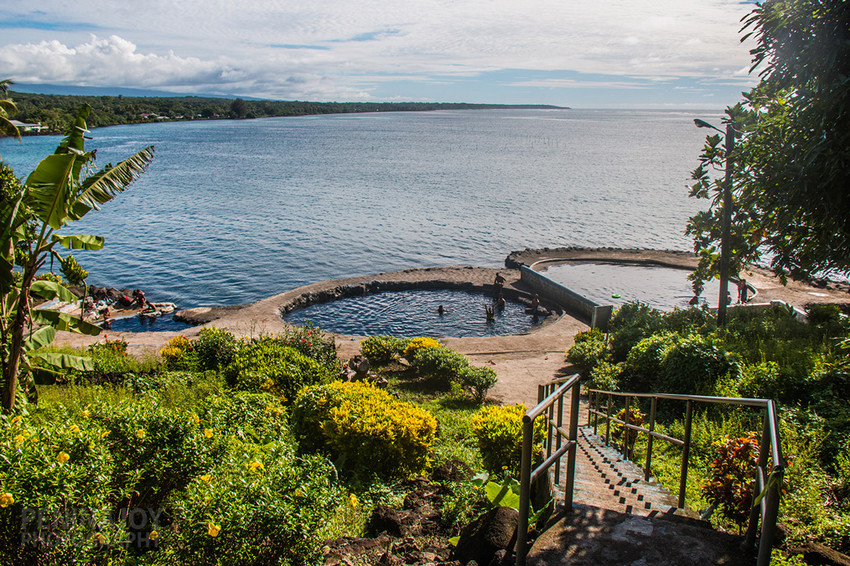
[[693, 365], [179, 353], [630, 324], [258, 505], [415, 345], [248, 417], [636, 418], [366, 429], [589, 350], [439, 362], [606, 376], [382, 349], [732, 471], [216, 348], [498, 430], [313, 343], [267, 364], [645, 365], [478, 380], [73, 271]]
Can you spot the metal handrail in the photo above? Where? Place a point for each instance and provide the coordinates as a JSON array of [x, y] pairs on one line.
[[548, 396], [770, 447]]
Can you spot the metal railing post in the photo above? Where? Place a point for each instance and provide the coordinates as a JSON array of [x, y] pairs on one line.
[[596, 413], [559, 422], [627, 419], [608, 421], [524, 489], [686, 452], [654, 405], [571, 455], [764, 449]]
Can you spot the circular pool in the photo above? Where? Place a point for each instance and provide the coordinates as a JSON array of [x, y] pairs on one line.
[[618, 283], [415, 313]]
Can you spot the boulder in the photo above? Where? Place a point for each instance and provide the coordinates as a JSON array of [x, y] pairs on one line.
[[493, 531]]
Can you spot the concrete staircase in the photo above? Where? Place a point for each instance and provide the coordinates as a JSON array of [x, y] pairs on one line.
[[620, 518]]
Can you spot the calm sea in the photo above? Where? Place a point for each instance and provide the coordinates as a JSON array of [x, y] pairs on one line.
[[233, 211]]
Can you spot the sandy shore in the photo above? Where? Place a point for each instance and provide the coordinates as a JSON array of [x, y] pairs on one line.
[[521, 361]]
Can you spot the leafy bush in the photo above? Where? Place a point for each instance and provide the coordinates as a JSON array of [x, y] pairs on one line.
[[53, 467], [156, 450], [630, 324], [267, 364], [179, 353], [414, 345], [636, 418], [365, 428], [382, 349], [589, 350], [257, 506], [605, 376], [693, 365], [731, 483], [440, 362], [216, 348], [314, 343], [498, 430], [478, 379], [644, 366], [256, 417]]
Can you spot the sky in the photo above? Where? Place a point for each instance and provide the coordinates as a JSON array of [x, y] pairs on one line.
[[664, 54]]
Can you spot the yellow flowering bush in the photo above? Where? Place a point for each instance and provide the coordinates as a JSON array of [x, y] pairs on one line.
[[179, 352], [382, 349], [498, 429], [260, 504], [365, 428], [420, 343]]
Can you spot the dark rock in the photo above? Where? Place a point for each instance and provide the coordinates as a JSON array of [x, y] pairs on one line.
[[780, 534], [816, 554], [494, 530], [389, 559], [388, 520], [452, 470], [502, 558]]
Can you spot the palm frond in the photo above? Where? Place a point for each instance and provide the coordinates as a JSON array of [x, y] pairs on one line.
[[109, 181]]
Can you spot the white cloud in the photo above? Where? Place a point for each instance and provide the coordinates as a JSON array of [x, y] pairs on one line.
[[240, 47]]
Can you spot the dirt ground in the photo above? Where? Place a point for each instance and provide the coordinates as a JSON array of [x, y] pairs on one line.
[[520, 361]]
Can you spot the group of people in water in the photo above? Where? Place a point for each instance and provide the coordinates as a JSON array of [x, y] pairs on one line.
[[499, 303]]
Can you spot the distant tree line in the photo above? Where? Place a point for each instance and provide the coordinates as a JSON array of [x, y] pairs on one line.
[[58, 111]]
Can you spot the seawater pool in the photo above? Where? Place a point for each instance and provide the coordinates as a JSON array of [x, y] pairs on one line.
[[414, 313], [619, 283], [163, 323]]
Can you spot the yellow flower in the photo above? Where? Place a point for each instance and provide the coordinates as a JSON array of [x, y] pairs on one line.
[[267, 384], [16, 419], [74, 429], [104, 434], [298, 492], [99, 538], [6, 499], [208, 432], [206, 478], [352, 500], [140, 434], [196, 418], [213, 529], [86, 413], [256, 465], [62, 458], [153, 536], [19, 439]]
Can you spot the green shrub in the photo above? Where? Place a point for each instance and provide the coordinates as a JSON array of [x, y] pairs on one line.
[[53, 467], [693, 365], [498, 430], [730, 486], [605, 376], [414, 345], [630, 324], [179, 353], [267, 364], [440, 362], [690, 320], [589, 350], [256, 417], [216, 348], [257, 506], [156, 450], [643, 369], [382, 349], [760, 380], [314, 343], [366, 429], [477, 379]]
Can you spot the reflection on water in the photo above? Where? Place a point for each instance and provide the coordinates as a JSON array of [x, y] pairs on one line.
[[163, 323], [414, 313], [619, 283]]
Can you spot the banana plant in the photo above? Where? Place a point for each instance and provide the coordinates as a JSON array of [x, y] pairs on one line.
[[61, 189]]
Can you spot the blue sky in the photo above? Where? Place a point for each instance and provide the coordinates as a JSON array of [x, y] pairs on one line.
[[579, 53]]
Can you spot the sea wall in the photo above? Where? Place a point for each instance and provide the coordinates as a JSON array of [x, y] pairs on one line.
[[590, 311]]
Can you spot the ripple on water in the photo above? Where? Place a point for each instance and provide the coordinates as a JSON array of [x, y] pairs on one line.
[[414, 313]]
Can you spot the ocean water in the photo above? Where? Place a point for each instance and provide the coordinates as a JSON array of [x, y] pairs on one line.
[[233, 211]]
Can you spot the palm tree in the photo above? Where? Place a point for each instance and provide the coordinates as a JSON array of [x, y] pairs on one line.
[[7, 109]]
